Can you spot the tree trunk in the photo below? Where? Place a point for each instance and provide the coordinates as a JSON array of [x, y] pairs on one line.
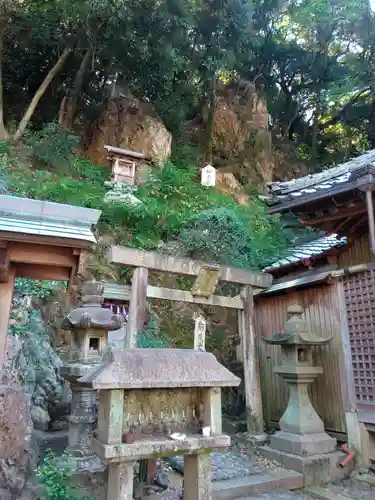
[[72, 101], [315, 126], [4, 136], [371, 120], [40, 92], [211, 104]]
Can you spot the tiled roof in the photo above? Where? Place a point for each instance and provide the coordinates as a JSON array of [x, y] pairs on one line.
[[282, 192], [34, 217], [308, 250], [302, 279]]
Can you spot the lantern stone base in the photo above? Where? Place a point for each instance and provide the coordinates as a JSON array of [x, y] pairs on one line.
[[319, 468], [43, 442], [305, 444], [92, 480]]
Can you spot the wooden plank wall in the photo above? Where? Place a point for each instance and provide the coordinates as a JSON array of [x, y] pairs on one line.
[[322, 311], [358, 252]]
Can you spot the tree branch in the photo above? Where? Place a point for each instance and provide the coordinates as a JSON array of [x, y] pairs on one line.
[[339, 116]]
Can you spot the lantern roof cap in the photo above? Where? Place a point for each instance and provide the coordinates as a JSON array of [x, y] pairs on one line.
[[91, 314], [296, 331]]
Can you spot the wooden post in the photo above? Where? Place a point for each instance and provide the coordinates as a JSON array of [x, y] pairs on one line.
[[136, 321], [6, 295], [137, 309], [348, 396], [371, 221], [254, 411]]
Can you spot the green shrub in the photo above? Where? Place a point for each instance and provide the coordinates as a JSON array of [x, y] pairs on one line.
[[53, 146], [54, 475], [151, 336], [220, 235], [239, 236]]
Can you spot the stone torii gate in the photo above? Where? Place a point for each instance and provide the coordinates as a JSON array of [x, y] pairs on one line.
[[207, 279]]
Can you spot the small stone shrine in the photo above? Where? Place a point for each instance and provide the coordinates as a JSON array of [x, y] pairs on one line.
[[159, 402], [302, 443], [89, 325]]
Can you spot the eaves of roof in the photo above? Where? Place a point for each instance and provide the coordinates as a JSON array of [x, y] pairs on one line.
[[24, 216], [328, 182], [308, 250]]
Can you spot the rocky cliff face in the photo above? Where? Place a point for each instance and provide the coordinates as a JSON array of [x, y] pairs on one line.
[[243, 141], [128, 123], [244, 148]]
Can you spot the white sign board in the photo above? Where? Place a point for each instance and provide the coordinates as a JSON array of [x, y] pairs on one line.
[[208, 176], [200, 333]]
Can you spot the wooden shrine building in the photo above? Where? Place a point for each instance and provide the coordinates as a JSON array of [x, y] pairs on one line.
[[128, 166], [39, 240], [333, 278]]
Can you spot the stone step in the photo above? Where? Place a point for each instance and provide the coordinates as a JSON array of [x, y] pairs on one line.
[[274, 495], [269, 481], [323, 493]]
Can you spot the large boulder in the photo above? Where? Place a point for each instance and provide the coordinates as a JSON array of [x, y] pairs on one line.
[[128, 123], [243, 143], [226, 183], [15, 434]]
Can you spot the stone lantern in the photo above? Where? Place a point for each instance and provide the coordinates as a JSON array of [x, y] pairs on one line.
[[302, 440], [89, 325]]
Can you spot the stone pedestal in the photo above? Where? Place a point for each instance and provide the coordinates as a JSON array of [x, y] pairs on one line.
[[120, 481], [197, 477], [82, 422], [302, 443], [302, 431]]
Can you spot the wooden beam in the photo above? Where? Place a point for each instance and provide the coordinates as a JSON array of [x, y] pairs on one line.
[[137, 308], [341, 214], [46, 240], [155, 292], [41, 272], [137, 258], [360, 222], [4, 265], [28, 253], [254, 410], [6, 295]]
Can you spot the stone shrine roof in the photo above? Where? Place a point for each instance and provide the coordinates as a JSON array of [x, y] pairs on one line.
[[159, 369]]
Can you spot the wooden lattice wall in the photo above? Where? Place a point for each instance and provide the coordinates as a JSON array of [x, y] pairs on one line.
[[360, 309]]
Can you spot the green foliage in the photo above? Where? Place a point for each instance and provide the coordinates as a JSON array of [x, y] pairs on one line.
[[151, 336], [175, 207], [243, 237], [40, 289], [36, 361], [53, 146], [219, 235], [55, 476]]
